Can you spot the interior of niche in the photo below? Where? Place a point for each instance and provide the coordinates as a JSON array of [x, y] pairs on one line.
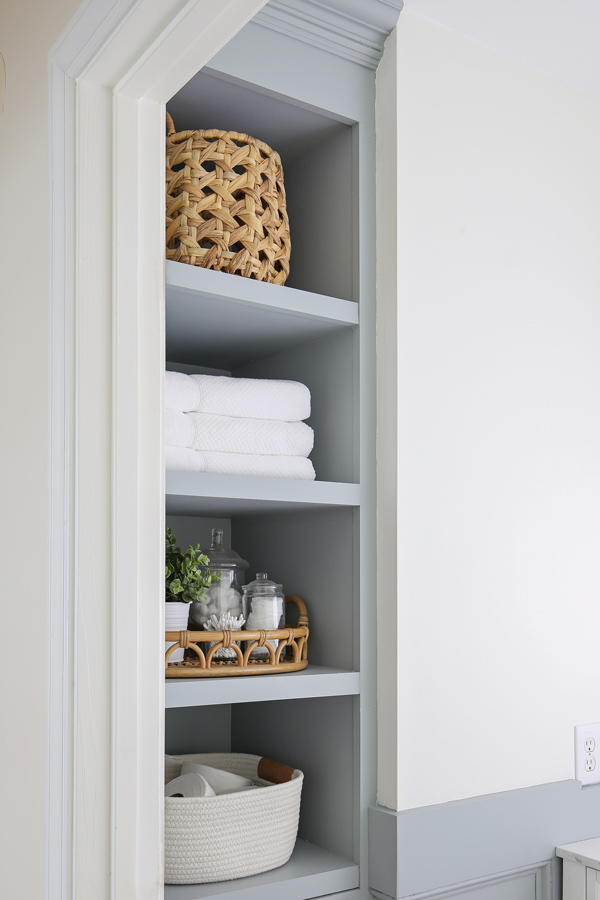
[[314, 735], [327, 366], [309, 552], [319, 166]]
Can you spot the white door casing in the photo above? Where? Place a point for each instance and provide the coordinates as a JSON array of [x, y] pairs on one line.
[[110, 75]]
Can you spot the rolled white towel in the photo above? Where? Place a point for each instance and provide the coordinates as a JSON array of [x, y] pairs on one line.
[[185, 459], [219, 781], [189, 784], [181, 392], [228, 434], [254, 398]]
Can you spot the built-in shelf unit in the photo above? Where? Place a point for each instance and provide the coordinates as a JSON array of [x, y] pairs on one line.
[[316, 108]]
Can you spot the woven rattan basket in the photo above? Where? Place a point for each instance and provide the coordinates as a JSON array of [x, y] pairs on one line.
[[226, 204], [232, 835]]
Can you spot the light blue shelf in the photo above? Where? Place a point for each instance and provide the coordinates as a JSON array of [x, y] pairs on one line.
[[314, 681], [310, 872], [207, 494]]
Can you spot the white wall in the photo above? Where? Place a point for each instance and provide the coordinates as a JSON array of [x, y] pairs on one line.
[[499, 419], [27, 30]]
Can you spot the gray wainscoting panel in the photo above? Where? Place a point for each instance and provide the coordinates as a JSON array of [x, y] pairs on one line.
[[539, 881], [454, 847], [520, 887]]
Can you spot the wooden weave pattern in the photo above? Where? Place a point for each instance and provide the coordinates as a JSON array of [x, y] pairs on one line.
[[226, 204], [291, 654]]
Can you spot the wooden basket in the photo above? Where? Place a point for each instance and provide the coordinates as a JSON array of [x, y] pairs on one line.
[[226, 204], [290, 655]]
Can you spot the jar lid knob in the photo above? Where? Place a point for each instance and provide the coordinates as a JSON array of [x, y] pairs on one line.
[[216, 542]]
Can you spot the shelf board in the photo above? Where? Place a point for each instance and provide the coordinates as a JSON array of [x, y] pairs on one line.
[[225, 321], [314, 681], [207, 494], [310, 872]]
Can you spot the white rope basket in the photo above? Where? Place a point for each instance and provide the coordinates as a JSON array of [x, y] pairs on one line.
[[233, 835]]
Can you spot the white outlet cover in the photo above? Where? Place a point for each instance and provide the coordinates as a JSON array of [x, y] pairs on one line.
[[587, 761]]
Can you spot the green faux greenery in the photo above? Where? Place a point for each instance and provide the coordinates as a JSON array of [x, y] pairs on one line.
[[186, 574]]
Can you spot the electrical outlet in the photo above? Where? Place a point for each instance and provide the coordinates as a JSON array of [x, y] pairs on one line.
[[587, 753]]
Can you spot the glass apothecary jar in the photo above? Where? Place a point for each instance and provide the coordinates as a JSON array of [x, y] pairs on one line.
[[263, 609], [223, 605]]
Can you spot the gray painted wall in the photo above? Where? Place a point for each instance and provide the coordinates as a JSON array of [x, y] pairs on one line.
[[318, 737], [328, 173], [328, 367], [198, 729], [312, 555], [196, 530]]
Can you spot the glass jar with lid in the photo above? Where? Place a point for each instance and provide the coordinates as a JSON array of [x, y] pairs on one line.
[[224, 597], [263, 609]]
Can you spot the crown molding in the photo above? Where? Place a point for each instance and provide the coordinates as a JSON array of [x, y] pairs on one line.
[[353, 29]]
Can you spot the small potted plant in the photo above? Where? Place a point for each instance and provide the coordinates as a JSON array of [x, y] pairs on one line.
[[186, 579]]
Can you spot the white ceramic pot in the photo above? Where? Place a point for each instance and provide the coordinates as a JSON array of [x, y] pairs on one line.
[[176, 619]]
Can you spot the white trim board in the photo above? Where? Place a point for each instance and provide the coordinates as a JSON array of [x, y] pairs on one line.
[[345, 29], [110, 74]]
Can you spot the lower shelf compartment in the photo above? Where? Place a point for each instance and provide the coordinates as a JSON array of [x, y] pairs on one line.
[[310, 872]]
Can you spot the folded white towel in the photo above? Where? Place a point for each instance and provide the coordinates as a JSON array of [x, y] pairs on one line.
[[182, 458], [181, 392], [255, 398], [228, 434], [220, 782], [180, 428], [189, 784]]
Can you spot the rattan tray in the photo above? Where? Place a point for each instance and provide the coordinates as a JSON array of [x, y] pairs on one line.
[[290, 655]]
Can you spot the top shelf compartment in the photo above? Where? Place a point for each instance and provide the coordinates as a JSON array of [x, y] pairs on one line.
[[226, 321], [318, 150]]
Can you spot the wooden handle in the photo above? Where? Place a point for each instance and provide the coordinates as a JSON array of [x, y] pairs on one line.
[[274, 771], [302, 611]]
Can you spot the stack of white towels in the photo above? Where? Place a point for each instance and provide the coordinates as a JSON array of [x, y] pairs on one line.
[[238, 426]]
